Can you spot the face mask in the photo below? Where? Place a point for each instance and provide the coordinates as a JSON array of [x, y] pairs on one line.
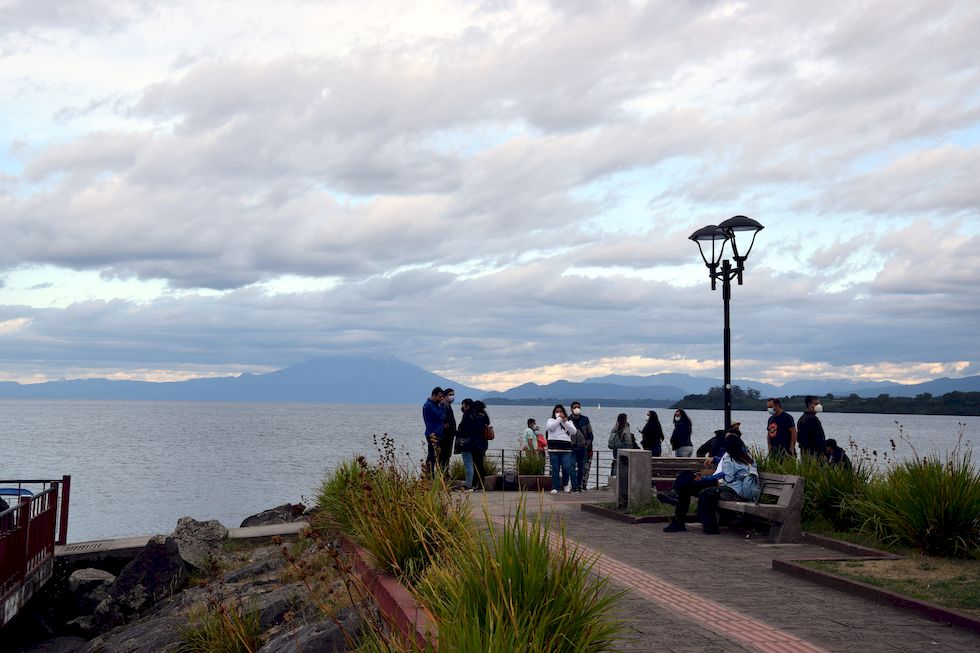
[[449, 399], [772, 411], [576, 411], [677, 418], [818, 408]]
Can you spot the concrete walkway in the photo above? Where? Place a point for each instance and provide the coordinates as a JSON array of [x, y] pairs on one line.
[[675, 602]]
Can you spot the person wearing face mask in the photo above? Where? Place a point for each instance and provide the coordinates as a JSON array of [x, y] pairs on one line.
[[680, 439], [809, 430], [652, 434], [561, 432], [582, 456], [448, 429], [781, 430]]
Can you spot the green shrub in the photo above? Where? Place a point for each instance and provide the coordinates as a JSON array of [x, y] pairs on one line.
[[404, 520], [456, 471], [491, 466], [512, 591], [927, 503], [530, 463]]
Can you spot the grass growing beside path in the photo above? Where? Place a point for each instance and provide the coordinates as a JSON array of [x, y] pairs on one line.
[[949, 583]]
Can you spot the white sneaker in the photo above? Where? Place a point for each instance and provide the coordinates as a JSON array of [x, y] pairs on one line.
[[568, 488], [554, 491]]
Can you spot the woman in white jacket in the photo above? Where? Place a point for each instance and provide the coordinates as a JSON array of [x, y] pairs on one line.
[[560, 431]]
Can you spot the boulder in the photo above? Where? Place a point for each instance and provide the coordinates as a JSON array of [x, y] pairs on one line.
[[284, 514], [326, 636], [254, 569], [150, 636], [199, 541], [89, 587], [157, 572]]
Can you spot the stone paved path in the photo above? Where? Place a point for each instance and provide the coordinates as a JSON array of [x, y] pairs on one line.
[[675, 604]]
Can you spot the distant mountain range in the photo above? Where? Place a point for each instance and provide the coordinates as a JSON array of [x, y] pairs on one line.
[[386, 379]]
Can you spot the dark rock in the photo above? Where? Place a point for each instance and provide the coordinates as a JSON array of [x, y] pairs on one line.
[[157, 572], [89, 587], [150, 636], [180, 602], [284, 514], [59, 645], [199, 541], [80, 627], [325, 636], [254, 569], [274, 605]]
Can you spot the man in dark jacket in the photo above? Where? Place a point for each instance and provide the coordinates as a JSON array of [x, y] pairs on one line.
[[809, 430], [433, 415], [584, 426], [448, 429]]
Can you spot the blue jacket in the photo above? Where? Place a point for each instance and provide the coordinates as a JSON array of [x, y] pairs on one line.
[[433, 414]]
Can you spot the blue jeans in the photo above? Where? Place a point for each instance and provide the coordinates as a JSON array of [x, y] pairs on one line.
[[579, 478], [563, 460], [468, 466]]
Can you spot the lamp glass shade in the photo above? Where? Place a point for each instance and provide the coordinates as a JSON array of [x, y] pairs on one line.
[[745, 224], [717, 237]]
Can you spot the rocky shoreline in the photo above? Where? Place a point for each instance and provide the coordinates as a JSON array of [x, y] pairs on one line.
[[146, 603]]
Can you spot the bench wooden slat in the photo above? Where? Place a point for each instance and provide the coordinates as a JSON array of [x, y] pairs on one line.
[[785, 514]]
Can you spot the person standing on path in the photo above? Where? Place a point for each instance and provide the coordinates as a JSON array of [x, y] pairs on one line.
[[620, 437], [560, 430], [530, 436], [448, 429], [653, 434], [472, 440], [433, 415], [781, 430], [680, 438], [809, 430], [584, 426]]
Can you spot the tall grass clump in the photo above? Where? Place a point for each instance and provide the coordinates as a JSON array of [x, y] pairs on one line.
[[511, 591], [221, 627], [404, 520], [927, 503], [830, 491], [530, 463]]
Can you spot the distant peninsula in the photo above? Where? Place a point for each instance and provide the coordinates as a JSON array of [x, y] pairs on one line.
[[951, 403]]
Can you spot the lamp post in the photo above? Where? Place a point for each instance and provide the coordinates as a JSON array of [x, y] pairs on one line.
[[718, 236]]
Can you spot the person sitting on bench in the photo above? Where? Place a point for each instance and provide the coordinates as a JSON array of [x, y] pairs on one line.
[[734, 466]]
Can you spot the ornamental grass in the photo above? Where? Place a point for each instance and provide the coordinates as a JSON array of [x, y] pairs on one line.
[[516, 590], [927, 503]]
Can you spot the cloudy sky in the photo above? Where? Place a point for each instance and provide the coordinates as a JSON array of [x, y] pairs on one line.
[[498, 191]]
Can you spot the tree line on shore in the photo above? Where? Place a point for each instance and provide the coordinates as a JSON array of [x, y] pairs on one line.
[[951, 403]]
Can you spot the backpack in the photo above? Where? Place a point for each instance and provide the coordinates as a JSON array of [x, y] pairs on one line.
[[751, 487]]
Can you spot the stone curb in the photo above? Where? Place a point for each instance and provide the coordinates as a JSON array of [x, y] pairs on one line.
[[623, 517], [848, 547], [395, 601], [864, 590]]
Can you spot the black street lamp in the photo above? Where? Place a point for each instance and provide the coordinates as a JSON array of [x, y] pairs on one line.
[[719, 236]]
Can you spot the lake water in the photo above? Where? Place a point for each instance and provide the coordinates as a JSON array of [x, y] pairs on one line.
[[137, 467]]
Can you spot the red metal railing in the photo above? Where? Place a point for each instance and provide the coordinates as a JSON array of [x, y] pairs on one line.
[[29, 530]]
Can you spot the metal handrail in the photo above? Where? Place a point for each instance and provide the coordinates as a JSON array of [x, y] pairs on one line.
[[29, 531], [598, 470]]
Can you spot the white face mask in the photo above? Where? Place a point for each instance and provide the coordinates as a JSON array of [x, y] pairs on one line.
[[449, 399], [818, 408], [576, 411], [677, 418], [772, 411]]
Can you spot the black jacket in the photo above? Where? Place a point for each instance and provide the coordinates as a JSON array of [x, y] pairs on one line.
[[681, 437], [653, 435]]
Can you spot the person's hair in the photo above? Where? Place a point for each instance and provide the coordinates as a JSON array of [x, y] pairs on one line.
[[775, 401], [737, 449], [620, 420], [734, 429], [574, 404], [530, 421], [684, 417], [479, 406], [832, 443], [809, 400], [448, 391], [557, 408], [436, 391], [654, 417], [465, 403]]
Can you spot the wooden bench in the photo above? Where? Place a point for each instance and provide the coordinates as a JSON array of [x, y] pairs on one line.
[[664, 469], [784, 514]]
